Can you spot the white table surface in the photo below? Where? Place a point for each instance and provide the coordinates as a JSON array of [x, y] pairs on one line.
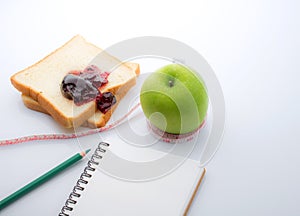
[[253, 46]]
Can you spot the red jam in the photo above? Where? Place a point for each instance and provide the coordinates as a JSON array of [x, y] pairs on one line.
[[84, 86]]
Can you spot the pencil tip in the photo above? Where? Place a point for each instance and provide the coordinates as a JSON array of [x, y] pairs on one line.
[[87, 151]]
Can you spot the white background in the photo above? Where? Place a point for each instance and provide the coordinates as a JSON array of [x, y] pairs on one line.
[[253, 46]]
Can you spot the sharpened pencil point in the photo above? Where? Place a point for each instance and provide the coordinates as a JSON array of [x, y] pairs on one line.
[[87, 151]]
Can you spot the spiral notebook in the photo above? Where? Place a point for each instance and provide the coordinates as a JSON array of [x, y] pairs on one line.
[[99, 193]]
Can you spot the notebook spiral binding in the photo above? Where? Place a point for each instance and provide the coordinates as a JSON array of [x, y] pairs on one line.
[[83, 179]]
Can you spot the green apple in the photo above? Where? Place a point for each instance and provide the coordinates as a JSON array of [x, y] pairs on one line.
[[174, 99]]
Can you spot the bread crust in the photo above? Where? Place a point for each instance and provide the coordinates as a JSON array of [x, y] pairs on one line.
[[33, 104]]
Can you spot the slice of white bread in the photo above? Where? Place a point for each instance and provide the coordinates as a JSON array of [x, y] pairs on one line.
[[42, 80], [98, 119]]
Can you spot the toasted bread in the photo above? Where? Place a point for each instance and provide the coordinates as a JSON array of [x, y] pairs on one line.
[[42, 80], [98, 119]]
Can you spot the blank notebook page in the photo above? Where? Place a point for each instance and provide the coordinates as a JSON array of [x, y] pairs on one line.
[[167, 195]]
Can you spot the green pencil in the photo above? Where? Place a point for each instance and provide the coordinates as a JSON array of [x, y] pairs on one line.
[[42, 179]]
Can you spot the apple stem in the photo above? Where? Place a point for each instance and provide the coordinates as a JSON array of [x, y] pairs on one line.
[[171, 83]]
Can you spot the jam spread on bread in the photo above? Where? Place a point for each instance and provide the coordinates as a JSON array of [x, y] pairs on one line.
[[104, 101], [76, 88], [84, 86]]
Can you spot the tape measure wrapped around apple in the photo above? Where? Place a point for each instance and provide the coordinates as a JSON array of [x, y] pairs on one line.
[[175, 102]]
